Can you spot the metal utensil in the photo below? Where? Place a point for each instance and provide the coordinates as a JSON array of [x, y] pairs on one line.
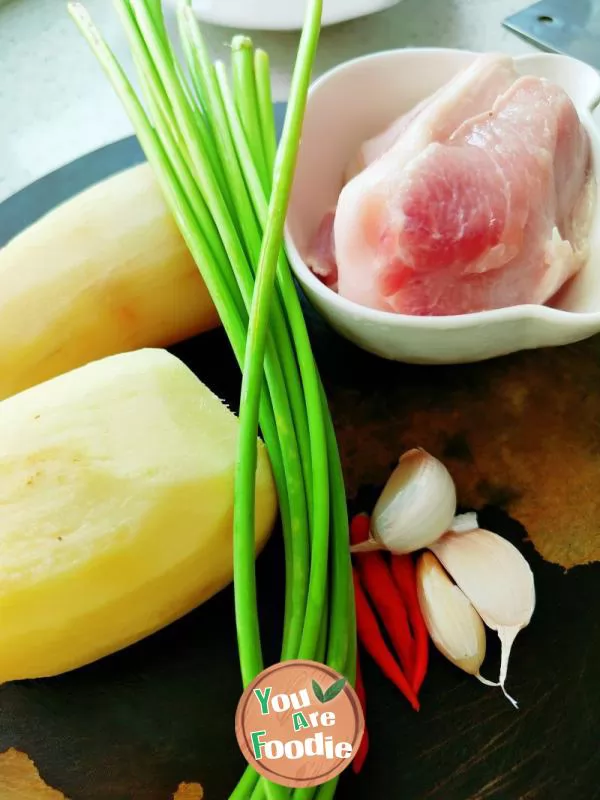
[[563, 26]]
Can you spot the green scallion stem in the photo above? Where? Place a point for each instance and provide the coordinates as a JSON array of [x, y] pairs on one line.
[[243, 522], [262, 74], [320, 516], [173, 193], [244, 86], [213, 153], [341, 653], [247, 785], [296, 538], [320, 520], [205, 79], [208, 183], [343, 600]]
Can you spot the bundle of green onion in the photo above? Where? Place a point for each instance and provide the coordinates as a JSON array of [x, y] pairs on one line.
[[212, 146]]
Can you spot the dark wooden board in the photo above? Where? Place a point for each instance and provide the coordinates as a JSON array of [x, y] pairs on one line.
[[133, 725]]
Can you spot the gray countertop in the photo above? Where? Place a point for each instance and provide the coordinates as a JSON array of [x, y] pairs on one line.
[[56, 105]]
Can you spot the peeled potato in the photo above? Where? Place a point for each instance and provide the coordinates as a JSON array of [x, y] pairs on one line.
[[116, 486], [104, 273]]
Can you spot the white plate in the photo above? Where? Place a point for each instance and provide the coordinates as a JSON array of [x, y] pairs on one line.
[[283, 15]]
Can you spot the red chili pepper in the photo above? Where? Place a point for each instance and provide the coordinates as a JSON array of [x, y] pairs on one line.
[[403, 571], [372, 640], [386, 597], [363, 749], [360, 527]]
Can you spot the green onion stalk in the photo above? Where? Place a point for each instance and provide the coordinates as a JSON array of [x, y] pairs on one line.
[[213, 148]]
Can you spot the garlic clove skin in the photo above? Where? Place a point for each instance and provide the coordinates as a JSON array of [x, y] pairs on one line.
[[367, 546], [497, 580], [455, 627], [492, 573], [416, 506], [463, 523]]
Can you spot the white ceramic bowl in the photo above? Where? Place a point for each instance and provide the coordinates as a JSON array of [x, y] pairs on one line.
[[353, 102], [282, 15]]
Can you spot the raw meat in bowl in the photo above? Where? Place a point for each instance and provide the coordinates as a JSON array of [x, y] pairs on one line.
[[478, 198]]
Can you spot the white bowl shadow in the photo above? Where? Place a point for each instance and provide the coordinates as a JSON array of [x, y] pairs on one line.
[[358, 99]]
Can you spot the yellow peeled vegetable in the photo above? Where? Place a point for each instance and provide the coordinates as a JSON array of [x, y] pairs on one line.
[[104, 273], [116, 485]]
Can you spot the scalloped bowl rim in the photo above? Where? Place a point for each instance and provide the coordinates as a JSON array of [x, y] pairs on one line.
[[530, 311]]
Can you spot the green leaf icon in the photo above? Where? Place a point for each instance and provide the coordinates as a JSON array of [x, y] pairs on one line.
[[334, 690], [318, 692]]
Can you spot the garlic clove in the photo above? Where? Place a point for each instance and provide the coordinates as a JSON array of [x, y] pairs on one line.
[[464, 522], [497, 580], [416, 506], [455, 627]]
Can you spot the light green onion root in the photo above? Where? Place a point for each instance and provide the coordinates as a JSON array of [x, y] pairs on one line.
[[213, 150]]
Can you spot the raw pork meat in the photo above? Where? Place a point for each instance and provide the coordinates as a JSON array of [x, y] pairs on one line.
[[321, 258], [479, 198]]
